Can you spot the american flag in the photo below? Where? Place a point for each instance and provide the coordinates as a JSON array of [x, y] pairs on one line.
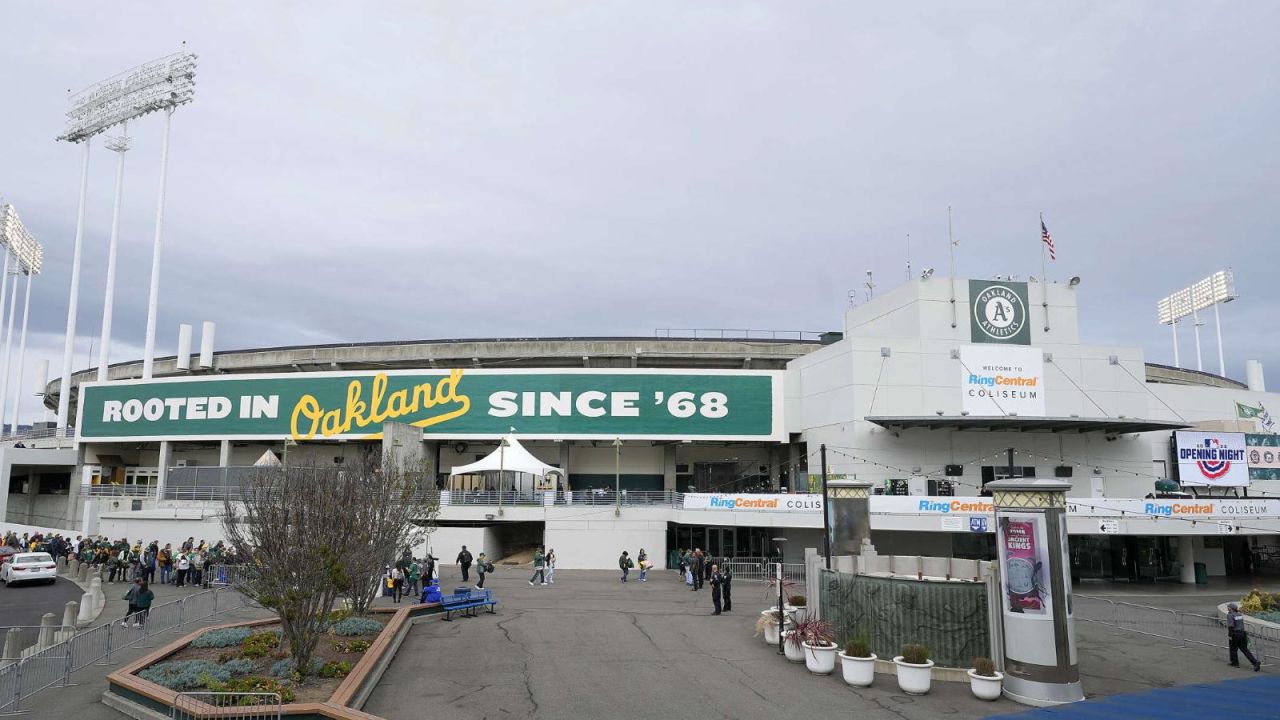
[[1047, 239]]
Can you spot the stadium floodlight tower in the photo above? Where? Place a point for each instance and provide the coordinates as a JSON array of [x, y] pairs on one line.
[[30, 257], [163, 84], [1212, 291]]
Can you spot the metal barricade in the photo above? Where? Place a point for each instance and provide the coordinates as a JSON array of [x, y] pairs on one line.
[[226, 706], [1180, 628]]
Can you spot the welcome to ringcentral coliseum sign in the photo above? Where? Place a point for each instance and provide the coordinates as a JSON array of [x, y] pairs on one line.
[[464, 404]]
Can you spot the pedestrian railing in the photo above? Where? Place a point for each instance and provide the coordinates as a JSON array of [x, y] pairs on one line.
[[762, 570], [53, 664], [114, 490], [1179, 627], [226, 706]]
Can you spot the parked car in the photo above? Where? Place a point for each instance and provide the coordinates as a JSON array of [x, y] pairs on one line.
[[6, 554], [29, 567]]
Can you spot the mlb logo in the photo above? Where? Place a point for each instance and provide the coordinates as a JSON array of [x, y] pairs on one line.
[[977, 524]]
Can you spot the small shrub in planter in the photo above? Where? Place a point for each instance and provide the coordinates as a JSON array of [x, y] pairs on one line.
[[239, 666], [259, 644], [858, 663], [348, 627], [984, 681], [255, 685], [224, 637], [767, 625], [798, 600], [335, 669], [352, 646], [817, 638], [283, 669], [182, 675], [915, 669]]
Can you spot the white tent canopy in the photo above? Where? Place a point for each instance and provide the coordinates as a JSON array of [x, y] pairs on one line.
[[268, 459], [513, 459]]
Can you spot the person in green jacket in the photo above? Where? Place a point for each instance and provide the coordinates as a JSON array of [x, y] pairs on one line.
[[539, 567], [142, 599], [415, 574], [625, 564]]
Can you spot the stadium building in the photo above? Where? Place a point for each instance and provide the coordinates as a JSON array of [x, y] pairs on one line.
[[595, 445]]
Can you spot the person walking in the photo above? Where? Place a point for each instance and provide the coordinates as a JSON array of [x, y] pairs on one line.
[[716, 584], [415, 574], [131, 597], [551, 567], [539, 567], [429, 574], [142, 601], [1238, 637], [397, 583], [464, 561], [726, 586], [625, 564], [680, 561], [184, 565], [643, 561], [481, 569]]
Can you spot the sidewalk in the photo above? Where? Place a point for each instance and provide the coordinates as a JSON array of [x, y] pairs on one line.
[[82, 700]]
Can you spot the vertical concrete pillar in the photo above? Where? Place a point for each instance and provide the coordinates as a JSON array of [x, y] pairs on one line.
[[33, 491], [12, 646], [1187, 559], [48, 630], [224, 453], [163, 464], [669, 466], [6, 465], [1041, 664], [78, 477], [69, 613], [86, 614], [564, 462]]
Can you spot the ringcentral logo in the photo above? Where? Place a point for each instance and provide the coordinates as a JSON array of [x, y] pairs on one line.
[[999, 312]]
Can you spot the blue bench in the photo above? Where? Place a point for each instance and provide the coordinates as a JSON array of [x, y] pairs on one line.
[[467, 603]]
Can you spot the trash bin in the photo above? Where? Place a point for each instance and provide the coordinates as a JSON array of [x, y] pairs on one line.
[[1202, 574]]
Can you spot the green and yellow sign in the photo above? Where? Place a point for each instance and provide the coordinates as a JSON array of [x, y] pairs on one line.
[[463, 404], [998, 312]]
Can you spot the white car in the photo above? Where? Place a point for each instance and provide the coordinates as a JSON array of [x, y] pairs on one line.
[[30, 567]]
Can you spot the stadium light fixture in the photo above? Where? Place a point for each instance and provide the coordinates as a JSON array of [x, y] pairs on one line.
[[30, 256], [161, 84], [1210, 292]]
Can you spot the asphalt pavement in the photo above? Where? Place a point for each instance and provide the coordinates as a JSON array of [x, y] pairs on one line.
[[24, 604]]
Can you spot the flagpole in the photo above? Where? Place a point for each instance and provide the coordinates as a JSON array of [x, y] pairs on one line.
[[1044, 277], [1044, 272], [951, 249]]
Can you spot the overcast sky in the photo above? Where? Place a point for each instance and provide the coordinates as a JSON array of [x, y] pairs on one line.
[[429, 170]]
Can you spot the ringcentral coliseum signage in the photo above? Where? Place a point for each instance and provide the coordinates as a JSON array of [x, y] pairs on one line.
[[753, 502], [1002, 380], [464, 404]]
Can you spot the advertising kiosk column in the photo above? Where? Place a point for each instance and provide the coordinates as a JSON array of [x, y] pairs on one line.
[[849, 515], [1041, 666]]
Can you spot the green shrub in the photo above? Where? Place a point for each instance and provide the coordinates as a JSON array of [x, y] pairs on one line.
[[983, 667], [254, 685], [352, 646], [798, 600], [259, 644], [348, 627], [859, 648], [184, 675], [283, 669], [239, 666], [335, 669], [915, 654], [225, 637]]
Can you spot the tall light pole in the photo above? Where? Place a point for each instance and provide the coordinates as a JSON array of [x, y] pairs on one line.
[[1208, 293], [782, 613], [28, 258], [119, 145], [153, 298], [8, 341], [503, 444], [162, 84], [617, 477]]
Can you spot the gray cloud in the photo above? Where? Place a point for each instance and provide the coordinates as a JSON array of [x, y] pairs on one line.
[[609, 168]]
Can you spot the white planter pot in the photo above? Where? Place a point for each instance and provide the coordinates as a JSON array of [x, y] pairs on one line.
[[789, 610], [771, 630], [858, 672], [914, 679], [800, 612], [985, 688], [820, 659], [791, 650]]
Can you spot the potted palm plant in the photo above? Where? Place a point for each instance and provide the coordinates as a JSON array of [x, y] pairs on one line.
[[984, 679], [915, 669], [817, 638], [767, 625], [858, 663]]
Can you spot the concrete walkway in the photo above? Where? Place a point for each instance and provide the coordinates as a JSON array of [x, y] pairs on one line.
[[591, 647]]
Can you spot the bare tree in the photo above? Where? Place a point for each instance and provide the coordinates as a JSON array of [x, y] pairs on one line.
[[292, 525], [393, 508]]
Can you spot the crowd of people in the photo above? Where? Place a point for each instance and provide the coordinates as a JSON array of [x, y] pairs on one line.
[[697, 569], [189, 564]]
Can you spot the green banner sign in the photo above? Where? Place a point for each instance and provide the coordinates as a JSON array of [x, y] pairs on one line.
[[574, 404], [998, 312]]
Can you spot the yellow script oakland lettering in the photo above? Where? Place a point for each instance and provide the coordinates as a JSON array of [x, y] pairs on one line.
[[310, 417]]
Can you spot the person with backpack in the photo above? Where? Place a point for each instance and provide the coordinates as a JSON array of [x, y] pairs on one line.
[[482, 567], [397, 582], [1238, 637], [625, 564], [539, 567], [142, 599], [131, 597], [464, 561]]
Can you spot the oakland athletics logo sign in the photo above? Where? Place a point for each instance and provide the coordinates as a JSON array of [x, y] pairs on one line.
[[999, 312]]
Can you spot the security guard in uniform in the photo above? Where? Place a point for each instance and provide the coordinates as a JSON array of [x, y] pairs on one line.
[[1238, 637]]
